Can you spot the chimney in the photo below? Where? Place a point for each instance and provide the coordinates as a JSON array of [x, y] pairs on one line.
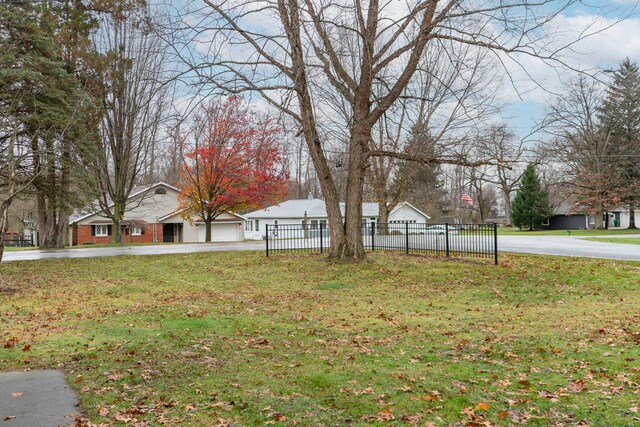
[[310, 196]]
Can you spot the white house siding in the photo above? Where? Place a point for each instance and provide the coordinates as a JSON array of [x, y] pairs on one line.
[[407, 214], [624, 219], [283, 233], [189, 232]]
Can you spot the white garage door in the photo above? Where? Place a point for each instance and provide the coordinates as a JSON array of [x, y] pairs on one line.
[[227, 232]]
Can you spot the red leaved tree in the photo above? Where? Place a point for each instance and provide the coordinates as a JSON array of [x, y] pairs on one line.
[[232, 162]]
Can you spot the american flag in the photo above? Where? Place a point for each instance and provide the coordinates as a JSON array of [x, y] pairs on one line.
[[467, 199]]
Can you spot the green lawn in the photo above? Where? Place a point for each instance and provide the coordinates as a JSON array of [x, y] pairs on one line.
[[627, 240], [509, 231], [215, 338]]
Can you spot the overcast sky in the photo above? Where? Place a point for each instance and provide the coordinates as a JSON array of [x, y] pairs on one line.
[[613, 41], [531, 84]]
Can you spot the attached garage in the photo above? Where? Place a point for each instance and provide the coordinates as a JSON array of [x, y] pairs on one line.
[[228, 231]]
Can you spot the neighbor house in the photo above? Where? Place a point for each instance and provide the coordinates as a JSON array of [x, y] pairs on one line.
[[619, 218], [314, 213], [569, 216], [152, 215]]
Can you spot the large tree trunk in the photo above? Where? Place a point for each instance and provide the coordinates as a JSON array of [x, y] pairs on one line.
[[506, 194], [383, 217], [207, 230], [4, 223], [118, 215], [352, 247], [309, 126], [599, 223], [632, 216]]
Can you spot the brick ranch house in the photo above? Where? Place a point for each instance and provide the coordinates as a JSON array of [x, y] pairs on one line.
[[152, 216]]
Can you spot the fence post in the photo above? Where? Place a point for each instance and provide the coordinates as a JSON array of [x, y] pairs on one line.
[[495, 243], [267, 231], [321, 236], [446, 237], [373, 242], [406, 236]]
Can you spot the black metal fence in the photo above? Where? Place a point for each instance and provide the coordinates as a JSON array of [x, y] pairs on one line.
[[451, 240]]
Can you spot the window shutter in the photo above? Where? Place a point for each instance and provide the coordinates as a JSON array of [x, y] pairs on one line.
[[141, 230], [93, 230], [109, 227]]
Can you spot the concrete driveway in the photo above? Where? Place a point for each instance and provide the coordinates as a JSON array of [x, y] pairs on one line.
[[544, 245]]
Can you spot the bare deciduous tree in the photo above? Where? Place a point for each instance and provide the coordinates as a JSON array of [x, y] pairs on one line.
[[581, 148], [133, 98], [500, 143], [287, 50]]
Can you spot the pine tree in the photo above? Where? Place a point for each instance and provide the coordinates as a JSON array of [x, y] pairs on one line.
[[620, 116], [41, 96], [530, 207]]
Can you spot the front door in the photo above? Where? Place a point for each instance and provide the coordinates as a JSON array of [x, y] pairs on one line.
[[168, 233]]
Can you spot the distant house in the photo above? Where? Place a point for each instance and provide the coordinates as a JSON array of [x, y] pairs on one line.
[[569, 216], [619, 218], [152, 215], [314, 212]]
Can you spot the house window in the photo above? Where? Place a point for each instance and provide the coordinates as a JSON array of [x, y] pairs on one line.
[[102, 230], [257, 225], [161, 190], [592, 219], [248, 226], [545, 223], [136, 231]]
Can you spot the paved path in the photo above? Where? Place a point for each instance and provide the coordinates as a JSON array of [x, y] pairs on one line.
[[36, 398], [131, 250], [546, 245]]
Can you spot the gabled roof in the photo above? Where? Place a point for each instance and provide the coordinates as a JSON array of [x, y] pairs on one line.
[[137, 190], [412, 207], [179, 211], [314, 208]]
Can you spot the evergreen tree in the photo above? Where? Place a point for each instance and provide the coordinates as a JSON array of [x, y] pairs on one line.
[[620, 116], [530, 207], [41, 97]]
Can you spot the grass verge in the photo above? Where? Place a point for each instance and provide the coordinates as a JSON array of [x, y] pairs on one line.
[[236, 337], [627, 240]]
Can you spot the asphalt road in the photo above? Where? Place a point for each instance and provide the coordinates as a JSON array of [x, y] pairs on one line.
[[545, 245]]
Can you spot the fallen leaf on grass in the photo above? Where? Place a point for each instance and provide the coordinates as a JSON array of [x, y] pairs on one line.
[[576, 386], [11, 342], [386, 415], [115, 375], [103, 411], [483, 406], [412, 419]]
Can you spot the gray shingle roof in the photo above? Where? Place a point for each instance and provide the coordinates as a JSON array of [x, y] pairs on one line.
[[315, 208]]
